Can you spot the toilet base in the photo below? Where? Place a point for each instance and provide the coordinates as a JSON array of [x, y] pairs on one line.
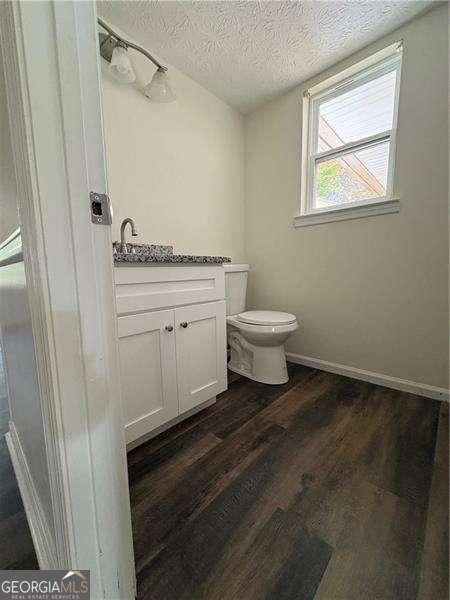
[[266, 365]]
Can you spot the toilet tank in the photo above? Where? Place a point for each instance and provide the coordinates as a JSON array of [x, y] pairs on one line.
[[235, 287]]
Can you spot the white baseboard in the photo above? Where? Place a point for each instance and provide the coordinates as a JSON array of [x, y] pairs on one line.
[[403, 385], [37, 521]]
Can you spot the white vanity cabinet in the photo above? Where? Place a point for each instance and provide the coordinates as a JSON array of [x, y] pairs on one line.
[[200, 338], [148, 367], [172, 343]]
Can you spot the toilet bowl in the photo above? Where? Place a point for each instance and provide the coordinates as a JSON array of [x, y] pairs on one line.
[[256, 338]]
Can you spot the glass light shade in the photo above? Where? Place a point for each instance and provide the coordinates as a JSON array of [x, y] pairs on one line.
[[121, 68], [159, 89]]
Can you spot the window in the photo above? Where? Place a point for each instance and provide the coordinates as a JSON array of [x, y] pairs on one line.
[[349, 143]]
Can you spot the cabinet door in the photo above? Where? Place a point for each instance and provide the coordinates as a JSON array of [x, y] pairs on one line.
[[148, 371], [201, 353]]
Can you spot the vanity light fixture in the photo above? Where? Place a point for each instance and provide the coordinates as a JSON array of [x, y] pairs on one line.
[[120, 66], [114, 49], [159, 89]]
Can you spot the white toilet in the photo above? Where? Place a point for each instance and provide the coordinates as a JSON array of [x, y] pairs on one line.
[[256, 337]]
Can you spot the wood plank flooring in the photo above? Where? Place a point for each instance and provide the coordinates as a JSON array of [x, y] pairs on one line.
[[325, 488]]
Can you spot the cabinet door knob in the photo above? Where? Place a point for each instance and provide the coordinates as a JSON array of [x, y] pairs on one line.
[[183, 324], [168, 327]]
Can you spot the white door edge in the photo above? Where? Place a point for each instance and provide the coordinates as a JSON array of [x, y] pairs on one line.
[[57, 138]]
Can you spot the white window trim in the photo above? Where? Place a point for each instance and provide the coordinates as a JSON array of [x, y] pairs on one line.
[[388, 59]]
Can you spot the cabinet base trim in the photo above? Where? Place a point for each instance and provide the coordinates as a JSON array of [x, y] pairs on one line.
[[151, 434]]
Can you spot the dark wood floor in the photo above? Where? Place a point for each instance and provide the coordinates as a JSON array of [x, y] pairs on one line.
[[325, 488], [16, 545]]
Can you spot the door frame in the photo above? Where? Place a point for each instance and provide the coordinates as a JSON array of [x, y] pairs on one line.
[[50, 55]]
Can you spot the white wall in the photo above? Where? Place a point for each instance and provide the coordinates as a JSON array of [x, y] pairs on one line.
[[16, 332], [177, 169], [370, 293]]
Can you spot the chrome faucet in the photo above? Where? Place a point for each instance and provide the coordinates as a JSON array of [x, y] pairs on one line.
[[123, 244]]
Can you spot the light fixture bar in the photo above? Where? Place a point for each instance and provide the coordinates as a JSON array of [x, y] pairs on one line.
[[122, 40]]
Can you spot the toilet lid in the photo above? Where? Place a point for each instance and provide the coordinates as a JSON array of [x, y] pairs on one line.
[[266, 317]]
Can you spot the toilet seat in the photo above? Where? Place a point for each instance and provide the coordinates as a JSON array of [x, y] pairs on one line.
[[266, 317], [261, 329]]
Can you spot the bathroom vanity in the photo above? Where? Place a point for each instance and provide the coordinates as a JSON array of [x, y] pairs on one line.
[[172, 336]]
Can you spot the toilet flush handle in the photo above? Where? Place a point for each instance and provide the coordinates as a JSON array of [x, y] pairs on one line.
[[184, 324]]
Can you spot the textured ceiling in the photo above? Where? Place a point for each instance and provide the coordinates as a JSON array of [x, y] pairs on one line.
[[248, 52]]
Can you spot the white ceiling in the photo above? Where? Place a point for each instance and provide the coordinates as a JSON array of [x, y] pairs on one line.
[[247, 52]]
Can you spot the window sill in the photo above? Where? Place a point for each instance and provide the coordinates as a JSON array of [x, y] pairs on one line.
[[352, 212]]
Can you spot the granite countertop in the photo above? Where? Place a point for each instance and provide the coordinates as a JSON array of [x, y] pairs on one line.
[[153, 253]]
